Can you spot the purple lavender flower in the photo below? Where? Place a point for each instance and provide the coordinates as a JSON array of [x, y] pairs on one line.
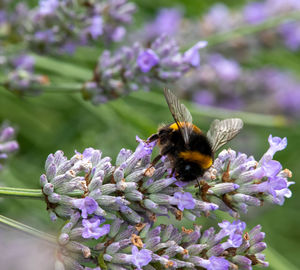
[[87, 206], [204, 97], [276, 144], [24, 62], [147, 59], [118, 34], [140, 258], [255, 12], [218, 18], [166, 22], [92, 229], [227, 70], [7, 143], [144, 148], [46, 24], [184, 200], [192, 55], [291, 35], [96, 27], [218, 263], [48, 7]]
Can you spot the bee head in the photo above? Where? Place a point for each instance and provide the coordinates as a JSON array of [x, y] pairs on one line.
[[188, 171]]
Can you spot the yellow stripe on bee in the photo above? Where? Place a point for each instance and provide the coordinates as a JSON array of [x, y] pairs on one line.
[[204, 161], [174, 126]]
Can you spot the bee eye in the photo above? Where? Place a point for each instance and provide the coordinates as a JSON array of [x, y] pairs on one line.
[[187, 167]]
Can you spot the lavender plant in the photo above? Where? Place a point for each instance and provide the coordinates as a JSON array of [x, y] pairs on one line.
[[132, 194], [223, 82], [220, 19], [21, 78], [111, 209], [64, 25], [133, 68], [7, 143]]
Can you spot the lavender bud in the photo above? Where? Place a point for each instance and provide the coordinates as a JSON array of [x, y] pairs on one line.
[[51, 171], [160, 184], [134, 195], [257, 248], [43, 180], [223, 188], [63, 239], [48, 189]]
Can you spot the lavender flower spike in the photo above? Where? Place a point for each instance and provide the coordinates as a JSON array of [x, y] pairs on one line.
[[135, 67], [132, 198], [145, 247], [236, 181], [130, 191]]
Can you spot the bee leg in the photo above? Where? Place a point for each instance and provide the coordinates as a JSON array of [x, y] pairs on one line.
[[198, 187], [150, 170], [152, 138]]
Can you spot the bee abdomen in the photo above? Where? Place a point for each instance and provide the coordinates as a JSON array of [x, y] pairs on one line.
[[205, 161]]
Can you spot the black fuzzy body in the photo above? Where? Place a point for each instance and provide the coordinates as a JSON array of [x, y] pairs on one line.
[[171, 144]]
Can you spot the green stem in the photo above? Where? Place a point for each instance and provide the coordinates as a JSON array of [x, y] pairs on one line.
[[27, 229], [62, 88], [251, 29], [21, 193], [29, 193]]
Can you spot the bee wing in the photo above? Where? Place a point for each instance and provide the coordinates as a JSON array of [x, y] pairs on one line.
[[223, 131], [180, 114]]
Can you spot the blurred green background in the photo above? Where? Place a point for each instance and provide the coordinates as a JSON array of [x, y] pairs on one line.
[[55, 121]]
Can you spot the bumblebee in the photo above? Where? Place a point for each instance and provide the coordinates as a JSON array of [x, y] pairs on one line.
[[189, 150]]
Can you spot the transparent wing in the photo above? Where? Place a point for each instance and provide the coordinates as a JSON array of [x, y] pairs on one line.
[[221, 132], [180, 114]]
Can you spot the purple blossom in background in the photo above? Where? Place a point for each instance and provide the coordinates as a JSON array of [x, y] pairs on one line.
[[227, 70], [136, 67], [61, 26], [96, 27], [166, 22], [48, 7], [141, 257], [87, 206], [204, 97], [255, 12], [291, 35], [147, 59], [184, 200], [3, 17], [7, 143], [217, 18], [118, 34], [46, 36], [92, 227], [24, 62]]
